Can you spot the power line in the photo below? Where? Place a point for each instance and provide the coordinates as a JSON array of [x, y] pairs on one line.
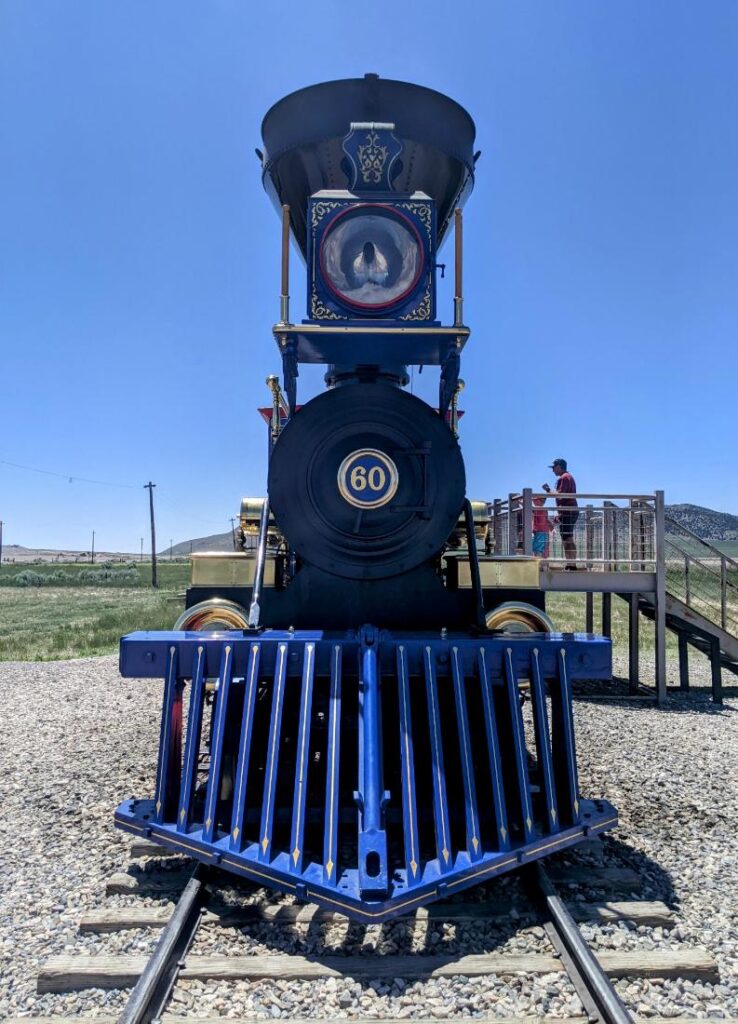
[[71, 477], [178, 508]]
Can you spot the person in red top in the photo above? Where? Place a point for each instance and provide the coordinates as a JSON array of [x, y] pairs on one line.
[[567, 507], [542, 527]]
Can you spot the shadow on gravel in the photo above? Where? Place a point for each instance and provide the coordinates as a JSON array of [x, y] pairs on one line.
[[698, 699], [510, 912], [593, 873], [655, 882]]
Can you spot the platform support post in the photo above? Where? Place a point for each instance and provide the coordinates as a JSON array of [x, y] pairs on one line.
[[512, 524], [717, 676], [589, 612], [633, 645], [588, 538], [683, 662], [607, 615], [497, 526], [660, 617], [527, 521]]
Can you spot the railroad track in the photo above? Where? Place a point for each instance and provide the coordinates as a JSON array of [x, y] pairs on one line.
[[153, 979]]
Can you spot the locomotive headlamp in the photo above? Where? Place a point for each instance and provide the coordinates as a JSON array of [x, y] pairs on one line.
[[371, 258]]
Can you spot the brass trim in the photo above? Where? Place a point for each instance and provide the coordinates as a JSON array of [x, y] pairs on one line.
[[373, 914], [247, 869], [449, 332], [231, 569], [499, 571], [128, 826], [519, 617], [488, 870], [215, 613]]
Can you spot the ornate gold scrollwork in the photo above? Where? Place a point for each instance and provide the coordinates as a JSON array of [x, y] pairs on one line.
[[423, 310], [423, 212], [320, 209], [372, 158], [319, 311]]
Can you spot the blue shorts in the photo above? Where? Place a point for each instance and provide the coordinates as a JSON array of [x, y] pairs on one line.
[[540, 543]]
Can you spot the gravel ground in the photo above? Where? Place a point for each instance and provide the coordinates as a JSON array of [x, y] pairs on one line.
[[78, 739]]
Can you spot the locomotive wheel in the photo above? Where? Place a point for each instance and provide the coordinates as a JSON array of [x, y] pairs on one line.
[[215, 613], [519, 617], [366, 481]]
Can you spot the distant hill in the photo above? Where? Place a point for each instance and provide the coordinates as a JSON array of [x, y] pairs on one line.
[[705, 522], [20, 554], [720, 527], [215, 542]]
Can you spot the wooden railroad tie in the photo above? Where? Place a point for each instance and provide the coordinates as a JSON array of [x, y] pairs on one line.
[[72, 973], [653, 914], [166, 1019]]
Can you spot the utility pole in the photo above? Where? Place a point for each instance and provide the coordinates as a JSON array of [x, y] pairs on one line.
[[141, 556], [92, 553], [151, 487], [233, 532], [1, 542]]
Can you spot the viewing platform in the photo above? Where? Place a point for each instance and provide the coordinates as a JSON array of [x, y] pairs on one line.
[[627, 545]]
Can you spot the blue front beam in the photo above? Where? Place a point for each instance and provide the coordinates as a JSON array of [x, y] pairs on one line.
[[144, 655]]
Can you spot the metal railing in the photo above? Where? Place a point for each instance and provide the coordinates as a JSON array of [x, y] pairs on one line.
[[625, 533], [612, 532], [701, 576]]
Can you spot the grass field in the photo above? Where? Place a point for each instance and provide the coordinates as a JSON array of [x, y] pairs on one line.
[[79, 618], [568, 614], [82, 574], [728, 547]]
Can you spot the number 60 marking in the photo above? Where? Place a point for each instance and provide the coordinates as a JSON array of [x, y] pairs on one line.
[[367, 478], [375, 479]]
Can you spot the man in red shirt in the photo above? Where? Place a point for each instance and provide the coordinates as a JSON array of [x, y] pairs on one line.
[[566, 503]]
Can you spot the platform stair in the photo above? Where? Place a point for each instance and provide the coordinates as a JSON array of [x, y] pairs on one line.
[[701, 601]]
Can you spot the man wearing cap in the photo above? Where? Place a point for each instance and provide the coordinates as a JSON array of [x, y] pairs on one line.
[[566, 503]]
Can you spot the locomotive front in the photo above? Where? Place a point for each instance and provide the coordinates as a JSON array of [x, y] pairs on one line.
[[355, 734]]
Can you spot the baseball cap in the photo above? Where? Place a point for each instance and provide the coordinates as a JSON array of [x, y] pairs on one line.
[[558, 462]]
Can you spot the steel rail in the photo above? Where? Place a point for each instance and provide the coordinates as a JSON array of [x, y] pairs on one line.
[[594, 988], [148, 999]]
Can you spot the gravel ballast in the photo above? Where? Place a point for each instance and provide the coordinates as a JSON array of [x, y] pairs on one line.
[[78, 739]]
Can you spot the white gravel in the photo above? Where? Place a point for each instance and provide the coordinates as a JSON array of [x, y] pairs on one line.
[[77, 739]]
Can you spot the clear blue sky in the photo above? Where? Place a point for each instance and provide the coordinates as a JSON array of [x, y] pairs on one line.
[[139, 253]]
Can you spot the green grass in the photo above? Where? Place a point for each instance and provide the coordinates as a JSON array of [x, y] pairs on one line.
[[170, 575], [728, 547], [47, 623], [44, 624], [569, 616], [40, 624], [51, 622]]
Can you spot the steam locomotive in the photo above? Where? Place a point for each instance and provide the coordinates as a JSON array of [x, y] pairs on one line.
[[363, 729]]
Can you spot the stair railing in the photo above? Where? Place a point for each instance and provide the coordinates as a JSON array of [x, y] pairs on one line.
[[702, 581]]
